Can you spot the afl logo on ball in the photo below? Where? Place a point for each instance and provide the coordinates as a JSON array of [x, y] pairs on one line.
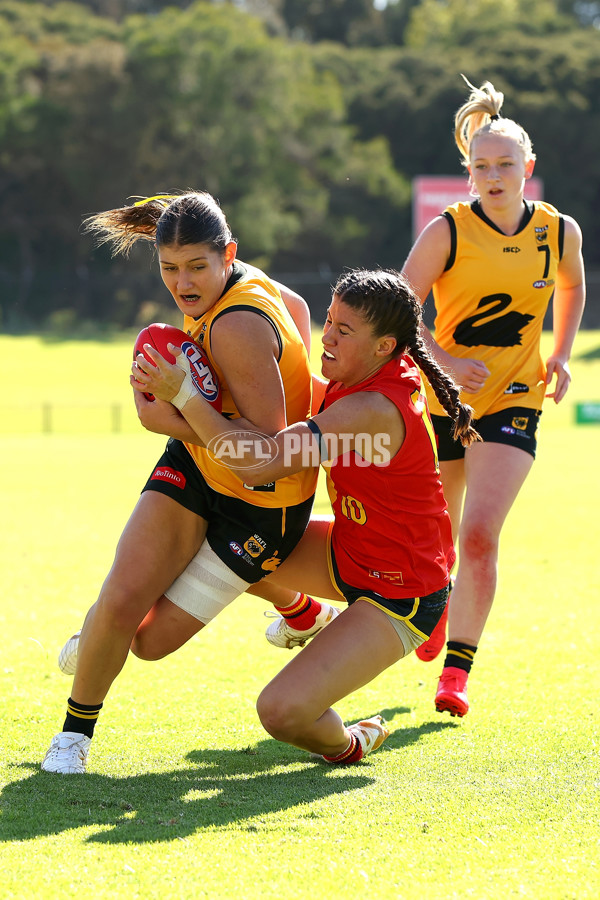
[[202, 375]]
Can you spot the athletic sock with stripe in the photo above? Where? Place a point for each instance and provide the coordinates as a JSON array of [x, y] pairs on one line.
[[303, 612], [81, 719], [459, 655]]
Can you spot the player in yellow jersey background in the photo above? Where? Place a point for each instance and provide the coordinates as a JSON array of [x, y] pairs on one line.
[[493, 265]]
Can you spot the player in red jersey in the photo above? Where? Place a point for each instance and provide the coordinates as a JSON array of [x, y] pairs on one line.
[[388, 551]]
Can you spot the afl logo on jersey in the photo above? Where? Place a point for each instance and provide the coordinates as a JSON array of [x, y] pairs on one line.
[[235, 548], [202, 375]]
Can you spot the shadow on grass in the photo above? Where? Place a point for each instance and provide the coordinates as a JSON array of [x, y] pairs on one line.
[[218, 789], [404, 737]]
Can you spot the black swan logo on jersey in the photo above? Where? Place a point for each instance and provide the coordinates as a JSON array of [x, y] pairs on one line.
[[202, 375], [520, 422], [490, 330], [255, 546]]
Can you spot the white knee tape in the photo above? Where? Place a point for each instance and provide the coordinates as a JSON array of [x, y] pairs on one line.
[[206, 587]]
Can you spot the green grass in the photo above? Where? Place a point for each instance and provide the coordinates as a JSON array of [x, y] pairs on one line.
[[188, 797]]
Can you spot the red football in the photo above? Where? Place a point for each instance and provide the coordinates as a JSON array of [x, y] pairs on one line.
[[159, 335]]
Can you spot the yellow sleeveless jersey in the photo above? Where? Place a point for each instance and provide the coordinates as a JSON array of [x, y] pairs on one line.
[[249, 289], [491, 301]]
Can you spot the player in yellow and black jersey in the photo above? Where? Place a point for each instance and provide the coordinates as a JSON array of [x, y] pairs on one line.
[[249, 291], [494, 265], [198, 536], [492, 298]]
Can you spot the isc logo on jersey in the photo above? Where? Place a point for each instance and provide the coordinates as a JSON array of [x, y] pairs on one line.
[[202, 375]]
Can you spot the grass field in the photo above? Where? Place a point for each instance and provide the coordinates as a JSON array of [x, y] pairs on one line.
[[187, 796]]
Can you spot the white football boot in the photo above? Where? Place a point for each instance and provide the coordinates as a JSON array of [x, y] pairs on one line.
[[67, 754], [67, 658], [281, 634], [371, 733]]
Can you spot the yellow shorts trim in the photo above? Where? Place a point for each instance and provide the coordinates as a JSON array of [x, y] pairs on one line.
[[404, 619]]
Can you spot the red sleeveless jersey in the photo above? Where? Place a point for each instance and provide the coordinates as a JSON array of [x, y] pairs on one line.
[[392, 531]]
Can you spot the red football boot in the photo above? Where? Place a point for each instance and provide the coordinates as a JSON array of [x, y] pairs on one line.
[[451, 694], [432, 647]]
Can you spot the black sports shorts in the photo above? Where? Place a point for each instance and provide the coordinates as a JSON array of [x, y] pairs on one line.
[[419, 614], [252, 541], [516, 426]]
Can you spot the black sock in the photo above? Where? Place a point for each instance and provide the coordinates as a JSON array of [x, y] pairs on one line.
[[81, 719], [459, 655]]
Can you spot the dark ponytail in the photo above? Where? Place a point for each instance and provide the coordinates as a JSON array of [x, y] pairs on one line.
[[167, 219], [446, 391]]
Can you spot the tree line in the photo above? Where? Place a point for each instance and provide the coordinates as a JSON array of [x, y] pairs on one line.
[[307, 120]]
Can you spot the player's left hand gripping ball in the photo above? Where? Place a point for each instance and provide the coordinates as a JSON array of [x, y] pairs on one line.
[[158, 335]]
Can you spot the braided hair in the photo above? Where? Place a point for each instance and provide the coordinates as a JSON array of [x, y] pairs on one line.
[[167, 219], [390, 306]]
